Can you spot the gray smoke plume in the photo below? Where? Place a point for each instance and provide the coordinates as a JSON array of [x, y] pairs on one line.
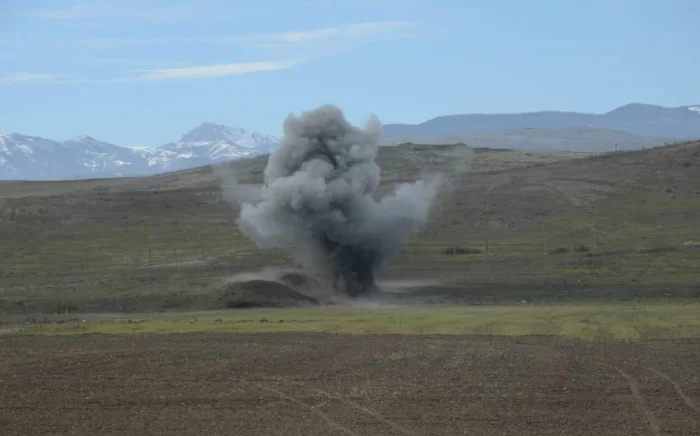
[[318, 201]]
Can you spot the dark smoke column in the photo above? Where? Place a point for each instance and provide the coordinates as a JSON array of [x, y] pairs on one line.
[[352, 268], [318, 201]]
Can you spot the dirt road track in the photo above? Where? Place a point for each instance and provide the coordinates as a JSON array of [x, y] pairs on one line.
[[323, 384]]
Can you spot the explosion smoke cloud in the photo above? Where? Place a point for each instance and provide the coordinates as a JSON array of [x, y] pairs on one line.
[[318, 201]]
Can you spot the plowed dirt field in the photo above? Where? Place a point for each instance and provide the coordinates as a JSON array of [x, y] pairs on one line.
[[332, 384]]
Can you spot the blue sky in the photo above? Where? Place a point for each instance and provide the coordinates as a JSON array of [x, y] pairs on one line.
[[144, 72]]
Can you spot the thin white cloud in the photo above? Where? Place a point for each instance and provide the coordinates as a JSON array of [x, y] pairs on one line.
[[165, 74], [358, 32], [24, 77], [220, 70], [342, 36], [308, 44]]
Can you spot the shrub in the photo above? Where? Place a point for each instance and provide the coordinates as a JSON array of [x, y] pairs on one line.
[[559, 250], [461, 250], [578, 249]]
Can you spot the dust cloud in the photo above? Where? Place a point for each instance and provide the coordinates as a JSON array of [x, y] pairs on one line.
[[318, 201]]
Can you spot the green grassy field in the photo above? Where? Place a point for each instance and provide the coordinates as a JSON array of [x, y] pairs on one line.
[[589, 322]]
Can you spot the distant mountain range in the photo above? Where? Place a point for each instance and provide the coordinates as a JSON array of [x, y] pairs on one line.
[[636, 119], [632, 126], [577, 139], [25, 157]]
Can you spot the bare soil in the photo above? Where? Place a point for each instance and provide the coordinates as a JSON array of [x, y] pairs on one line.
[[323, 384]]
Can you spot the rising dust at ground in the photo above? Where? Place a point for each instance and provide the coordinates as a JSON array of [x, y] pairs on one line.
[[319, 204], [293, 287]]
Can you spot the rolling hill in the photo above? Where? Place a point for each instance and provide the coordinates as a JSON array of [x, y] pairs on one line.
[[515, 226], [576, 139], [637, 119]]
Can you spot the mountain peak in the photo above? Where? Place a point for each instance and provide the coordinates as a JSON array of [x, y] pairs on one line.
[[220, 135], [87, 141], [83, 138], [208, 131], [637, 108], [28, 157]]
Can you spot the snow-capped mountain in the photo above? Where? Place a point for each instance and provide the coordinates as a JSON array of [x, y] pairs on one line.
[[231, 135], [25, 157], [103, 158], [215, 142], [31, 157]]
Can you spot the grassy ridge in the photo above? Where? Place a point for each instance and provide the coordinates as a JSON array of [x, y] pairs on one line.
[[168, 242], [590, 322]]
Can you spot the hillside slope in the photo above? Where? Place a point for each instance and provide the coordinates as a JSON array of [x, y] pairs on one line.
[[638, 119], [575, 139], [517, 226]]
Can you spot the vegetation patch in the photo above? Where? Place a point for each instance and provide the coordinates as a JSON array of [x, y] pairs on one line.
[[589, 322]]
